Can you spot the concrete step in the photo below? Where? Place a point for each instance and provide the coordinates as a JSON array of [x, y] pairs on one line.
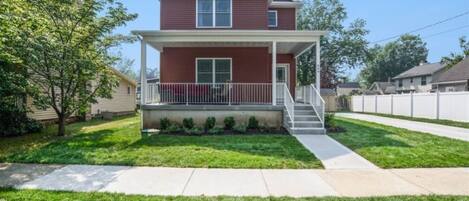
[[306, 124], [303, 107], [307, 131], [306, 118], [305, 112]]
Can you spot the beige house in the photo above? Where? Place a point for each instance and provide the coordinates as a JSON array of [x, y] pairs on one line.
[[418, 79], [123, 101]]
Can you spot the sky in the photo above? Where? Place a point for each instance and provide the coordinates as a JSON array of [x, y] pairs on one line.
[[385, 18]]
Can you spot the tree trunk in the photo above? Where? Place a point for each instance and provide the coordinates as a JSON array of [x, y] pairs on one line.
[[61, 131]]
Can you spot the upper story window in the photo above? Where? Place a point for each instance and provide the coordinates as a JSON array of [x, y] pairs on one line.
[[400, 83], [214, 13], [273, 18]]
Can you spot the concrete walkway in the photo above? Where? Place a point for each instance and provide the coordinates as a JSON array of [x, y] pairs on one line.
[[435, 129], [236, 182], [332, 154]]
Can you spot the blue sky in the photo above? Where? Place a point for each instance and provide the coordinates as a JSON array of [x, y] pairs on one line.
[[384, 18]]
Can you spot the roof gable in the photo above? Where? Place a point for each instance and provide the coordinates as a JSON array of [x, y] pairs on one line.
[[425, 69], [459, 72]]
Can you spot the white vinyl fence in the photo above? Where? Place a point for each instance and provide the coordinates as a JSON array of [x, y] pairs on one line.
[[449, 106]]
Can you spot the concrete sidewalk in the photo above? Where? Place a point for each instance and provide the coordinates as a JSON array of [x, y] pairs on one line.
[[237, 182], [435, 129], [332, 154]]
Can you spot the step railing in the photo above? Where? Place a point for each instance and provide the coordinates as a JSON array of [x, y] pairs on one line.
[[289, 104], [310, 95], [209, 94]]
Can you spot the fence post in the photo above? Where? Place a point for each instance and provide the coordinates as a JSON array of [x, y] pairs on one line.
[[363, 103], [411, 104], [187, 94], [376, 104], [438, 104], [392, 104]]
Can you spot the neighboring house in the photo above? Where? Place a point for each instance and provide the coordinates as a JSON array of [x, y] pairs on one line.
[[381, 88], [122, 102], [330, 97], [454, 79], [348, 88], [418, 79], [228, 58]]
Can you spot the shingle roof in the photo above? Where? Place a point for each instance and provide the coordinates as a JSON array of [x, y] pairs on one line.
[[425, 69], [349, 85], [327, 92], [458, 72]]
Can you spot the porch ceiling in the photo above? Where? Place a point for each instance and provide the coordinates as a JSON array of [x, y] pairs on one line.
[[288, 42]]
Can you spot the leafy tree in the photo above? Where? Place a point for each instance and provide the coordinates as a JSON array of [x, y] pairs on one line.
[[124, 65], [455, 58], [390, 60], [343, 47], [64, 45]]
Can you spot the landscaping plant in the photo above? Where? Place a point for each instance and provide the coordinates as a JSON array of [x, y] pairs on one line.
[[188, 123], [253, 123], [164, 123], [229, 123], [210, 123], [241, 129]]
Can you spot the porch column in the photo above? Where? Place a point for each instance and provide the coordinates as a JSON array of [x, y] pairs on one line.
[[143, 72], [274, 71], [318, 70]]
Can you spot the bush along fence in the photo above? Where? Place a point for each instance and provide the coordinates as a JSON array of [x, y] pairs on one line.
[[448, 106]]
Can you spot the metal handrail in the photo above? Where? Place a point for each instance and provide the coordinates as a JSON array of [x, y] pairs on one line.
[[317, 100], [289, 104]]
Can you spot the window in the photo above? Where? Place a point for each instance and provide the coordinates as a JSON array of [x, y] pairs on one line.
[[449, 89], [213, 70], [411, 80], [423, 81], [400, 83], [214, 13], [128, 90], [273, 18]]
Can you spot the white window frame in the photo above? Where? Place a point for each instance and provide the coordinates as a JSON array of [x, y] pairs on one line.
[[276, 18], [214, 16], [213, 68]]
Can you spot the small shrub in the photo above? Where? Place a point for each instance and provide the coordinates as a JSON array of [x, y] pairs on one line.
[[194, 131], [210, 123], [164, 123], [241, 129], [174, 129], [229, 123], [329, 120], [14, 122], [253, 123], [216, 131], [188, 123]]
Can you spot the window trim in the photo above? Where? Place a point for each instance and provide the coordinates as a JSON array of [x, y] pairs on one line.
[[213, 68], [422, 79], [276, 18], [214, 17]]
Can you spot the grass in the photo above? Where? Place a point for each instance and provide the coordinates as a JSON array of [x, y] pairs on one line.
[[35, 195], [433, 121], [119, 142], [390, 147]]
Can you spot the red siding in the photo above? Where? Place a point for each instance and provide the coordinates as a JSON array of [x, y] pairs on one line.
[[250, 64], [181, 14], [286, 19]]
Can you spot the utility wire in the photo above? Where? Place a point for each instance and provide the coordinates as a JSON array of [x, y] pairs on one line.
[[424, 27], [447, 31]]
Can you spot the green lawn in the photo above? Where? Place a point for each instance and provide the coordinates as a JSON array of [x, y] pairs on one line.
[[34, 195], [390, 147], [119, 142], [434, 121]]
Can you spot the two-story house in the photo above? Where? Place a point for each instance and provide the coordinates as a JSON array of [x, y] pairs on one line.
[[231, 58], [418, 79]]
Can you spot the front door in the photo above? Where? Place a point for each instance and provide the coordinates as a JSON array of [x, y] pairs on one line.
[[282, 78]]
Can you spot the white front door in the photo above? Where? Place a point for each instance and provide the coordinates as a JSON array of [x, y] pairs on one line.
[[282, 78]]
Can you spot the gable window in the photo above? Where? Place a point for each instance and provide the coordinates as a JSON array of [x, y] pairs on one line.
[[214, 13], [400, 83], [273, 18], [423, 80], [213, 70]]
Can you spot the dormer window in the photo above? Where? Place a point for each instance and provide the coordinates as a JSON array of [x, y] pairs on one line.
[[214, 13], [273, 18]]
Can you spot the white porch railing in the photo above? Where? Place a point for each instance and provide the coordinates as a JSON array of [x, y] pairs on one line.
[[310, 95], [212, 94], [289, 104]]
